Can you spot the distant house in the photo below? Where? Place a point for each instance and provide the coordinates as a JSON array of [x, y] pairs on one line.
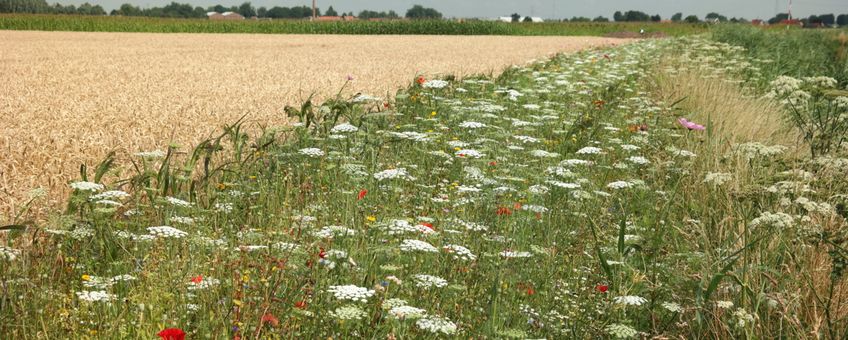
[[509, 19], [537, 19], [224, 16], [795, 22], [757, 22], [505, 19]]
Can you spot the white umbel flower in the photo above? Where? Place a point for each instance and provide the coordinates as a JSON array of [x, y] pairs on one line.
[[86, 186], [95, 296], [407, 312], [312, 152], [392, 174], [166, 232], [9, 253], [471, 125], [459, 252], [469, 153], [435, 324], [435, 84], [416, 245], [349, 313], [429, 281], [344, 128], [351, 292], [631, 300], [589, 150], [621, 331], [618, 185]]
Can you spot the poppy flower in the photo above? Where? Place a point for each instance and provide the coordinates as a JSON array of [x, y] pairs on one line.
[[530, 291], [271, 319], [362, 194], [197, 279], [503, 211], [428, 225], [420, 80], [300, 304], [321, 253], [493, 163], [602, 288], [172, 334]]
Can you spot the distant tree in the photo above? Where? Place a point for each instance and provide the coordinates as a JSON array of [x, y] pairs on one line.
[[778, 18], [827, 19], [580, 19], [392, 15], [419, 12], [262, 12], [617, 16], [277, 12], [219, 9], [246, 10], [677, 17], [842, 20], [692, 19], [656, 18], [812, 19], [713, 16], [515, 17], [600, 19], [528, 19], [331, 12]]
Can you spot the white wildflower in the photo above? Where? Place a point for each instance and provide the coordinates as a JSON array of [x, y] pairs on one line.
[[351, 292]]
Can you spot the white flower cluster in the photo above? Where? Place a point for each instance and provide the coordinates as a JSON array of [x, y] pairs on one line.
[[166, 232], [620, 331], [778, 220], [589, 150], [672, 307], [470, 153], [407, 312], [411, 135], [312, 152], [459, 252], [435, 324], [334, 230], [109, 195], [638, 160], [397, 227], [349, 313], [435, 84], [526, 139], [392, 174], [95, 296], [429, 281], [86, 186], [104, 282], [756, 149], [743, 318], [351, 292], [564, 185], [344, 128], [471, 125], [812, 206], [471, 226], [416, 245], [177, 202], [543, 154], [515, 254], [9, 253], [618, 185], [631, 300], [205, 283], [717, 178]]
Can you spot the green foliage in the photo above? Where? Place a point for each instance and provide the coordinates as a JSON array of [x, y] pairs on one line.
[[420, 12]]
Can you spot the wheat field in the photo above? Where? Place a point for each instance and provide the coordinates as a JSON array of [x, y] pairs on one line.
[[70, 98]]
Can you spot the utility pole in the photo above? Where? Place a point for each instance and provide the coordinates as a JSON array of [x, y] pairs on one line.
[[313, 10], [790, 9]]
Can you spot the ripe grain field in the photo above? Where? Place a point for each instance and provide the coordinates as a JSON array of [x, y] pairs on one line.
[[68, 98]]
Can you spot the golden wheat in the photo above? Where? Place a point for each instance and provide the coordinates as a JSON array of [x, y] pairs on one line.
[[69, 98]]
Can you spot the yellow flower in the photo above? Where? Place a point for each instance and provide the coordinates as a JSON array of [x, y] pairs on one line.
[[222, 186], [371, 218], [456, 149], [433, 114], [86, 277]]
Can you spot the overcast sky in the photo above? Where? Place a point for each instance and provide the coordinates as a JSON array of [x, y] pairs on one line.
[[750, 9]]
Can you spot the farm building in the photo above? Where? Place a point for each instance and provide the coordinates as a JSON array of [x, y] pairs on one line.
[[509, 19], [224, 16]]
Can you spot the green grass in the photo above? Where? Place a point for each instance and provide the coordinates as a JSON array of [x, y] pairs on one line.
[[441, 27]]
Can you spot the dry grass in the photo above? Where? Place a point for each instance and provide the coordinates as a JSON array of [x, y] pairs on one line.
[[69, 98]]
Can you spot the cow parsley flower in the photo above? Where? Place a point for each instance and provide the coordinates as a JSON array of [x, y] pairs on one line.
[[589, 150], [620, 331], [435, 324], [9, 253], [388, 304], [86, 186], [312, 152], [672, 307], [392, 174], [618, 185], [526, 139], [166, 232], [515, 254], [717, 178], [95, 296], [416, 245], [471, 125], [344, 128], [459, 252], [429, 281], [543, 154], [109, 195], [351, 292], [469, 153], [177, 202], [631, 300], [778, 220], [638, 160], [407, 312], [349, 313], [435, 84]]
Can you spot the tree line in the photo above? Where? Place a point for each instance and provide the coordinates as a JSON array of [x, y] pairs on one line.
[[42, 7]]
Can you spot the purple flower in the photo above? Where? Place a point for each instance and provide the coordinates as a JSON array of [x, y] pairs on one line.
[[690, 125], [349, 77]]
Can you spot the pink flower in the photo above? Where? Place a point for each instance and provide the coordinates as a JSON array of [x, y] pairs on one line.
[[690, 125]]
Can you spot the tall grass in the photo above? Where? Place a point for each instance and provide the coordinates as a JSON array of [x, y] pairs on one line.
[[440, 27]]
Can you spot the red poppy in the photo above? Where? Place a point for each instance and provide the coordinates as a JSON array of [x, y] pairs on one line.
[[321, 253], [172, 334], [428, 225], [197, 279], [493, 163], [300, 304], [516, 206], [602, 288], [503, 211], [271, 319], [420, 80], [362, 194], [530, 291]]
